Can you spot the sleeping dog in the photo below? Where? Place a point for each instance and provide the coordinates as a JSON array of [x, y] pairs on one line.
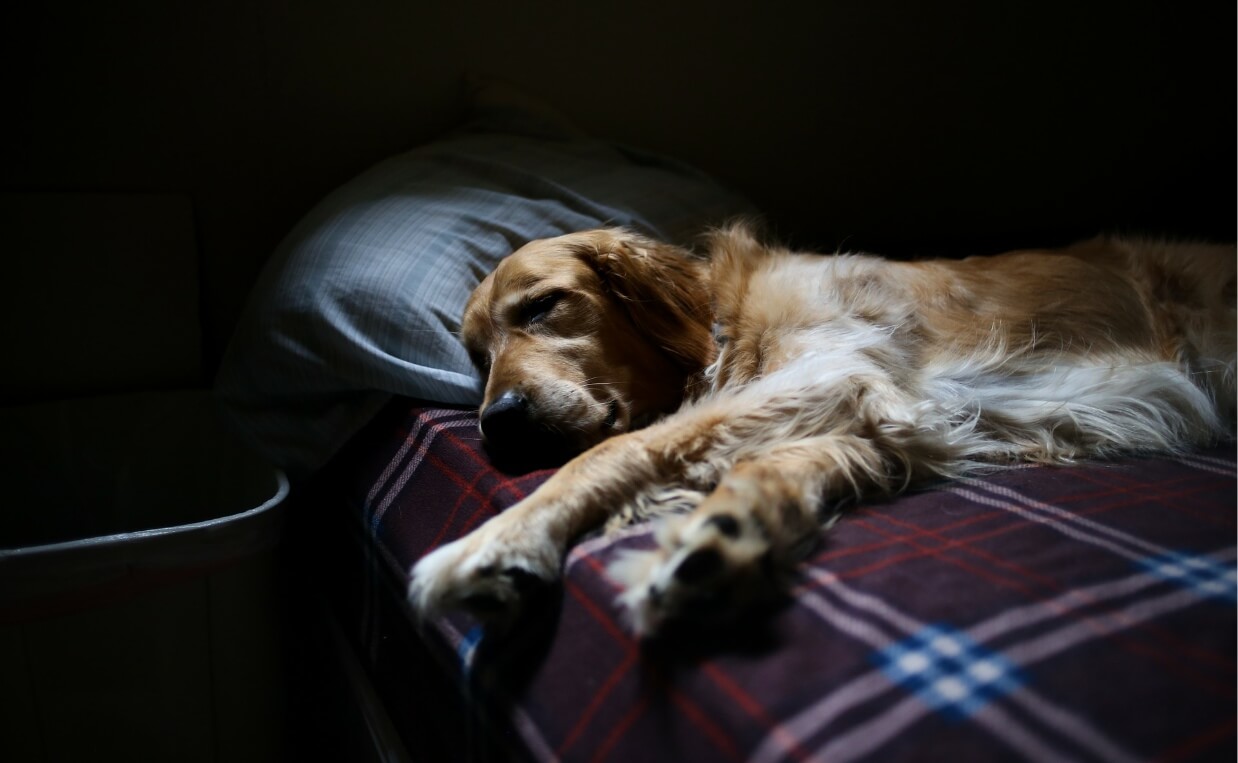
[[750, 391]]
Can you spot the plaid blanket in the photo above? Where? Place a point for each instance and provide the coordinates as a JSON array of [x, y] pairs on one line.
[[1042, 613]]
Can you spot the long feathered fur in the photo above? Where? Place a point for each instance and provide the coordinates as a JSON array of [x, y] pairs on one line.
[[827, 380]]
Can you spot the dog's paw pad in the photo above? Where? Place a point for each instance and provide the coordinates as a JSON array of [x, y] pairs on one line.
[[727, 524], [700, 566], [708, 567]]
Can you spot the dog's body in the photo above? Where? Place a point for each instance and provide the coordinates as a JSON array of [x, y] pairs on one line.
[[797, 381]]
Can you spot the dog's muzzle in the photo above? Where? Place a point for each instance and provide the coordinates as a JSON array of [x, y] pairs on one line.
[[514, 432]]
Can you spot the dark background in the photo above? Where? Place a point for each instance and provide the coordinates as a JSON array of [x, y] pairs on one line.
[[155, 152], [908, 128]]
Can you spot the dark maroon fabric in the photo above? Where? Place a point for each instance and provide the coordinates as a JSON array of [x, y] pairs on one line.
[[1081, 613]]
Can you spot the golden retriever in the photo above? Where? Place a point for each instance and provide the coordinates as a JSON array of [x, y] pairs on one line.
[[756, 388]]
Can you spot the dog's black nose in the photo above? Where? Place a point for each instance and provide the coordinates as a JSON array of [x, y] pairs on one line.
[[506, 420], [518, 440]]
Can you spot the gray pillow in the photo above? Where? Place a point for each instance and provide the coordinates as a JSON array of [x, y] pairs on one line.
[[362, 300]]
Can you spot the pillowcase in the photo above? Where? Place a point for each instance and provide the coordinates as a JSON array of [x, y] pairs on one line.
[[362, 300]]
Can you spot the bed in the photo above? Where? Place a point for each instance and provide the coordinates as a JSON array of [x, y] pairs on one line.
[[1049, 613], [1071, 613]]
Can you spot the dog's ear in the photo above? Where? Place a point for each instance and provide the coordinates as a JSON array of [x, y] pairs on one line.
[[664, 288]]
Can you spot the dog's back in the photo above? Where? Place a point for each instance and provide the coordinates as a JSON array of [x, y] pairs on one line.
[[1189, 293], [1060, 354]]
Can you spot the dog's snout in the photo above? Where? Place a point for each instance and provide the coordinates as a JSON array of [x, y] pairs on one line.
[[518, 437], [506, 419]]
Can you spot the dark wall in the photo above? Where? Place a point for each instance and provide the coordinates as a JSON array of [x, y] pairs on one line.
[[911, 122], [252, 109], [896, 126]]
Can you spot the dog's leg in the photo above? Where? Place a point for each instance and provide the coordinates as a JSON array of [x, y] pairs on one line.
[[488, 571], [777, 490], [742, 541]]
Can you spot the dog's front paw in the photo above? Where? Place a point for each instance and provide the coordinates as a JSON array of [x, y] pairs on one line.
[[708, 568], [487, 573], [738, 549]]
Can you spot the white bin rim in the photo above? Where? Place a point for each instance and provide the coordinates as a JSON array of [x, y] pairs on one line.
[[37, 579]]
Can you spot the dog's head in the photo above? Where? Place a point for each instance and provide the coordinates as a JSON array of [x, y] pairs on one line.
[[584, 336]]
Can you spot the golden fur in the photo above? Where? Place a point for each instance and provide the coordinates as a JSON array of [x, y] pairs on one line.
[[794, 382]]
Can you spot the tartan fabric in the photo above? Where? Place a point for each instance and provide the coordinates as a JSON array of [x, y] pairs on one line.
[[1041, 613]]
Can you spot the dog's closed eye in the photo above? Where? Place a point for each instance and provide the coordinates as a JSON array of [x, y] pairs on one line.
[[539, 308]]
